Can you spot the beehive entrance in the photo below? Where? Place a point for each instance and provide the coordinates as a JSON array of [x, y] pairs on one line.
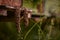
[[8, 9]]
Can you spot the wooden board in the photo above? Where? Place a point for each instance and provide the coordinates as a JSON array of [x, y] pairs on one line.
[[10, 2]]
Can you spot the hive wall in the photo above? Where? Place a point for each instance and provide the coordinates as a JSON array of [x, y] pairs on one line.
[[10, 2]]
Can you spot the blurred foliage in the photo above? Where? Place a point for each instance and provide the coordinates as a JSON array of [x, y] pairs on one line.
[[8, 31], [34, 31], [32, 3]]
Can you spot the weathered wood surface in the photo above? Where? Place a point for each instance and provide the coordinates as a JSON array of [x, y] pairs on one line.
[[10, 2]]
